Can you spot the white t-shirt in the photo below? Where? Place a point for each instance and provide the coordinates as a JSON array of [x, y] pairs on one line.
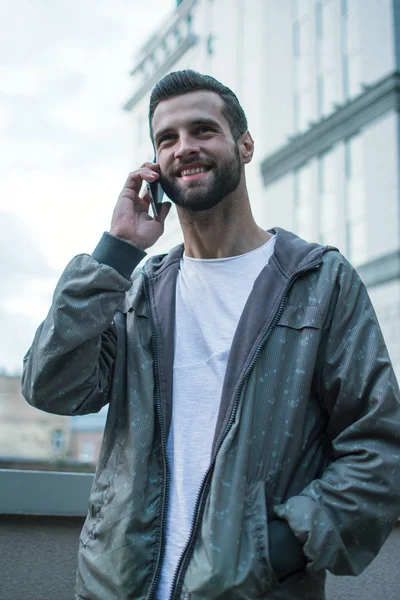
[[210, 297]]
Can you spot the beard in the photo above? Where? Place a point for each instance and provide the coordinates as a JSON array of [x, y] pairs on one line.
[[197, 195]]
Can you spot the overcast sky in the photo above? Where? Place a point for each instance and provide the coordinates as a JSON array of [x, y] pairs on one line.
[[65, 142]]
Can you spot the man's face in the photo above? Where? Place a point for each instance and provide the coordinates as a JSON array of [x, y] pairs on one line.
[[199, 160]]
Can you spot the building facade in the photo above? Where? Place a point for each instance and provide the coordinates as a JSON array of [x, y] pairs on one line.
[[33, 439], [86, 436], [319, 81], [26, 433]]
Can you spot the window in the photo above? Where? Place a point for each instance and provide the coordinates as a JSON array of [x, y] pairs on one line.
[[354, 157], [331, 93], [295, 9], [305, 57], [303, 202], [296, 111], [296, 39], [327, 197], [303, 98], [305, 110], [320, 95], [328, 48], [305, 8], [345, 77], [318, 19], [86, 451], [356, 218], [351, 51], [354, 75], [58, 441]]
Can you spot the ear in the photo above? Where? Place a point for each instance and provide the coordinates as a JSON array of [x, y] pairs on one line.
[[246, 147]]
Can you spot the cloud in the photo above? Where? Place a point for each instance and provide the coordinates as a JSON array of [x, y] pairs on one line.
[[17, 332], [20, 257], [29, 116], [32, 33], [23, 81], [25, 289], [29, 31]]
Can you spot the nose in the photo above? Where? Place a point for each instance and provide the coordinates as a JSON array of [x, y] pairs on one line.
[[186, 146]]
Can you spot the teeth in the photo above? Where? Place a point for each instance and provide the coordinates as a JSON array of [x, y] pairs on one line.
[[193, 171]]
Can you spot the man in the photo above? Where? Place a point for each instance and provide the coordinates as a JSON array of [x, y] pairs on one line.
[[253, 432]]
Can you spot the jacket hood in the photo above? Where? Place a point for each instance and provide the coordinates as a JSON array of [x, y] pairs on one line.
[[293, 253]]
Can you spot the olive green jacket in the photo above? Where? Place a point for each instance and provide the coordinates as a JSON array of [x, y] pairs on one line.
[[307, 437]]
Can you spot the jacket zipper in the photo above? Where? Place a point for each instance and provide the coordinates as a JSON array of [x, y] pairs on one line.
[[157, 573], [187, 553]]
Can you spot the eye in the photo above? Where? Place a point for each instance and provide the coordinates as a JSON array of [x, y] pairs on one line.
[[204, 129], [166, 138]]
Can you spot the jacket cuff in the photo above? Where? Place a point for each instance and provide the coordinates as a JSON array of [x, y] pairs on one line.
[[285, 550], [118, 254]]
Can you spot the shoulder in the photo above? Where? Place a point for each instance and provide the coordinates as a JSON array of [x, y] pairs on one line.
[[339, 270]]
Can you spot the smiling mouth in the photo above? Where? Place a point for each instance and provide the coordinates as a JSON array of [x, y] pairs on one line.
[[194, 171]]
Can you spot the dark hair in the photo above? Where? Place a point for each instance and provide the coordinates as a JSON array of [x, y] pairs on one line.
[[183, 82]]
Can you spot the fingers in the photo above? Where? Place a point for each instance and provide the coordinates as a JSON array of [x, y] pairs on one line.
[[163, 210], [152, 166], [136, 178]]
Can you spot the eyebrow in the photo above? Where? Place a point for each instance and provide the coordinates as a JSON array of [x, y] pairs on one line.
[[196, 122]]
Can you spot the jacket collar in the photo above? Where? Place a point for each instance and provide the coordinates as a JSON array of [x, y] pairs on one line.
[[291, 253]]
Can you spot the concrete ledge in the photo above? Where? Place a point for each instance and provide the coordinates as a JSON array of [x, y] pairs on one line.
[[381, 270], [44, 493], [346, 121]]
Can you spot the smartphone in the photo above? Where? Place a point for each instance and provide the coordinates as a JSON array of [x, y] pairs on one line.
[[156, 194]]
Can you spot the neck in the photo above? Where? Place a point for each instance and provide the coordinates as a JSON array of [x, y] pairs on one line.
[[226, 230]]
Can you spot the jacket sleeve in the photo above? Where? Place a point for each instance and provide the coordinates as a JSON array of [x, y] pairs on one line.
[[343, 518], [69, 367]]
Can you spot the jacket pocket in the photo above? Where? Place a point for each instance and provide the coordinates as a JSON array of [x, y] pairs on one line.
[[101, 495], [256, 515], [299, 317]]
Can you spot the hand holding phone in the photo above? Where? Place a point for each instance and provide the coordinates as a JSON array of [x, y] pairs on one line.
[[131, 221]]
